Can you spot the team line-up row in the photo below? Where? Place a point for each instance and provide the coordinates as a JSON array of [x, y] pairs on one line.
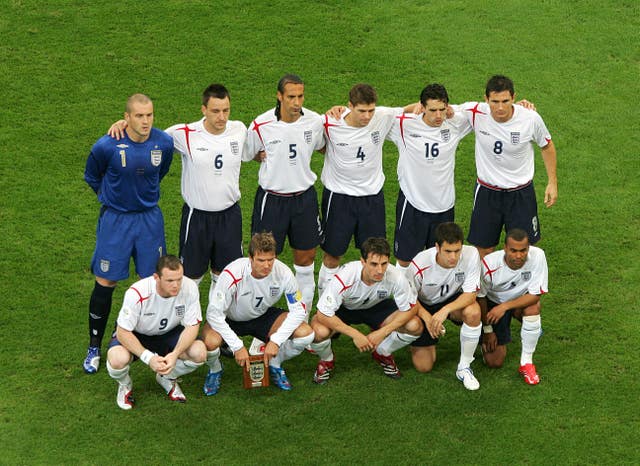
[[126, 174]]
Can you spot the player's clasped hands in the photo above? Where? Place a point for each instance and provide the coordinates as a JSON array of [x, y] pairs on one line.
[[363, 343], [436, 324], [160, 365]]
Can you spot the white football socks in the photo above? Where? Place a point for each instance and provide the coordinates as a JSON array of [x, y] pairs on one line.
[[307, 284], [213, 360], [530, 333], [395, 341], [469, 338], [291, 348], [323, 349]]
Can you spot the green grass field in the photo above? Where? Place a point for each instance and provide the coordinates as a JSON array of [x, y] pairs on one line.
[[67, 68]]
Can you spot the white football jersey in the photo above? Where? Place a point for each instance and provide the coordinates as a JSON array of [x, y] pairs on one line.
[[210, 164], [353, 160], [146, 312], [241, 297], [501, 283], [347, 289], [426, 160], [504, 151], [289, 146], [436, 284]]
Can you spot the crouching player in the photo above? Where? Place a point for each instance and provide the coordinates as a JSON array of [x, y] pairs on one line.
[[241, 303], [158, 323], [447, 278], [372, 292], [512, 282]]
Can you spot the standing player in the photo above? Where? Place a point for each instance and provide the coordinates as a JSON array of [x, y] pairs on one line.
[[447, 278], [505, 196], [158, 324], [353, 199], [211, 149], [242, 303], [427, 146], [286, 202], [512, 282], [372, 292], [126, 177]]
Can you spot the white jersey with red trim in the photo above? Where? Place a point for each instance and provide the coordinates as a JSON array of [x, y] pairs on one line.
[[210, 164], [241, 297], [436, 284], [504, 151], [146, 312], [427, 158], [347, 289], [353, 160], [288, 146], [500, 283]]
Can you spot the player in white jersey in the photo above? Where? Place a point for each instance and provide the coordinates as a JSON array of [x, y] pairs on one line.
[[427, 146], [242, 303], [512, 282], [211, 150], [158, 323], [447, 278], [372, 292], [505, 196], [353, 199], [286, 202]]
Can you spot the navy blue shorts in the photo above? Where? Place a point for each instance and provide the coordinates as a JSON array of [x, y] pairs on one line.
[[415, 229], [426, 339], [373, 316], [295, 216], [160, 344], [493, 210], [258, 327], [344, 216], [503, 328], [122, 235], [209, 239]]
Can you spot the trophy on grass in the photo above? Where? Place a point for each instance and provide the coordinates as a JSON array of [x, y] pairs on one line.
[[255, 373]]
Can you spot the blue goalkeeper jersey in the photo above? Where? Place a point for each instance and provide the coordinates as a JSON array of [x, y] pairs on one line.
[[125, 174]]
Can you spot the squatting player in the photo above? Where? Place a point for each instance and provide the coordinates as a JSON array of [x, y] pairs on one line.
[[126, 176], [369, 291], [512, 282], [504, 196], [447, 278], [158, 324], [242, 303]]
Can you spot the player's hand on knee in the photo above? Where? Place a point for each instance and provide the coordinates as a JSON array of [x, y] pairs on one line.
[[489, 342]]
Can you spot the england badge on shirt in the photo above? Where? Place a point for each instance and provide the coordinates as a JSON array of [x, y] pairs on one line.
[[459, 277], [383, 294], [307, 136], [526, 276], [515, 137], [274, 290], [235, 147], [156, 157], [375, 137], [445, 134], [180, 310]]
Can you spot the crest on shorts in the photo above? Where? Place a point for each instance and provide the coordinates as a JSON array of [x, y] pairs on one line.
[[534, 224], [375, 137], [459, 277], [515, 137], [180, 310], [526, 275], [235, 147], [383, 294], [445, 134], [104, 265], [274, 291], [307, 136], [156, 157]]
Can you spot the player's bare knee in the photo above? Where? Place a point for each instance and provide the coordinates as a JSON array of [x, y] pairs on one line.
[[413, 327], [303, 330], [533, 310], [471, 314], [212, 339], [423, 358], [118, 357], [198, 352]]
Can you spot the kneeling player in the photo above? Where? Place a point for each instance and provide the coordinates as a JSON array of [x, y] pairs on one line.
[[447, 278], [369, 291], [158, 323], [512, 282], [242, 304]]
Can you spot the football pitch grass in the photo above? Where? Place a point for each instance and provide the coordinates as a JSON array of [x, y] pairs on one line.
[[67, 68]]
